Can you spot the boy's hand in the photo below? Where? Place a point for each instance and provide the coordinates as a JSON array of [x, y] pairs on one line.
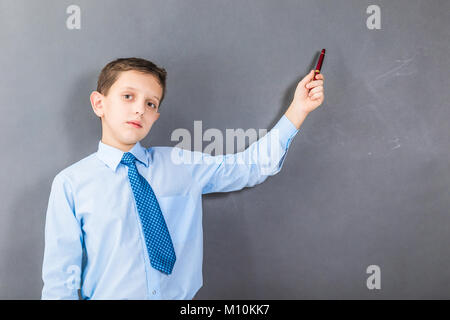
[[308, 96]]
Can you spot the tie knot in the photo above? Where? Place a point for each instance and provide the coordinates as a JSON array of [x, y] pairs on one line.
[[128, 159]]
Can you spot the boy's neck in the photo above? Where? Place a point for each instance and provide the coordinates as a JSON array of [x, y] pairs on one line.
[[118, 145]]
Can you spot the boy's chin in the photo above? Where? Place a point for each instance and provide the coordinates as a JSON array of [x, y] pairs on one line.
[[131, 137], [131, 140]]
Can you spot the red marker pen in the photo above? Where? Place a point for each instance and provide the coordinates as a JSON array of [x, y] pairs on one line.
[[319, 63]]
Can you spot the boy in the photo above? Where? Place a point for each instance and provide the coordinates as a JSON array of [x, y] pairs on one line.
[[125, 221]]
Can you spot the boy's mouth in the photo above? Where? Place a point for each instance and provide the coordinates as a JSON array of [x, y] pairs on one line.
[[135, 124]]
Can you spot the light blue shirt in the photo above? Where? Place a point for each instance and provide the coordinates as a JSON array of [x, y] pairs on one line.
[[93, 237]]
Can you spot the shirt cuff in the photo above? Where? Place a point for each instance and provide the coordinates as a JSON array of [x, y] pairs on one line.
[[286, 131]]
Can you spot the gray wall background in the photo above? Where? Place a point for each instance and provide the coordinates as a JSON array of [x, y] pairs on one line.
[[366, 180]]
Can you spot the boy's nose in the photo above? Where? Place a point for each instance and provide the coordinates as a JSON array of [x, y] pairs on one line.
[[139, 107]]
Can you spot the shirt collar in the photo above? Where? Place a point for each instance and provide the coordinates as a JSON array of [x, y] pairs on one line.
[[111, 156]]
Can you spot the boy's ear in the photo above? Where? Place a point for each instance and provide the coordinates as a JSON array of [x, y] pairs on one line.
[[97, 103]]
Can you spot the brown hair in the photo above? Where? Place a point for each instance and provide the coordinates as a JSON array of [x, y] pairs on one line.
[[111, 72]]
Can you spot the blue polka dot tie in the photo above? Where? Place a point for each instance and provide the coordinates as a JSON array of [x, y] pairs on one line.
[[157, 237]]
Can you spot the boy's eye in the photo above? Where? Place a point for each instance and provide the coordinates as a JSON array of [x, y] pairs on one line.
[[127, 96]]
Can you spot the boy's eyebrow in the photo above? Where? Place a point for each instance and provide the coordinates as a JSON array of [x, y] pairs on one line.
[[137, 90]]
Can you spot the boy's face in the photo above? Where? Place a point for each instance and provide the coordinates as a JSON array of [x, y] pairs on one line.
[[133, 97]]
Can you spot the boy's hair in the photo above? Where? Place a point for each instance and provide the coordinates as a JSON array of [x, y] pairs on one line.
[[112, 70]]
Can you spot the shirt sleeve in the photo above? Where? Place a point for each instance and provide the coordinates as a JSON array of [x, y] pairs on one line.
[[61, 270], [231, 172]]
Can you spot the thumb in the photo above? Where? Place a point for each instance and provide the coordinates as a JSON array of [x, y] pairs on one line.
[[308, 77]]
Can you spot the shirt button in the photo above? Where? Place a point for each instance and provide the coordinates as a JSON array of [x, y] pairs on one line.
[[154, 291]]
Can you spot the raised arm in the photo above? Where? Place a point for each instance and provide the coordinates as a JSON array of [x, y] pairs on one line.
[[263, 158]]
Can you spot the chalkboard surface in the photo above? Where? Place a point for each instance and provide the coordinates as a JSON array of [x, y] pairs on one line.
[[365, 185]]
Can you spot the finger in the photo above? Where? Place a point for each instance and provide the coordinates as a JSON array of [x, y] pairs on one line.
[[315, 90], [317, 96], [308, 77], [315, 83], [319, 76]]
